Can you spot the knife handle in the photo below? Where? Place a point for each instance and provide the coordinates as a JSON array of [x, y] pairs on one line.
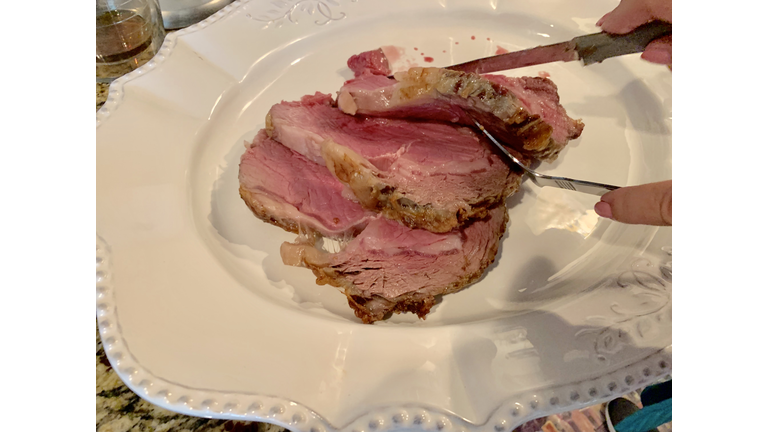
[[595, 48]]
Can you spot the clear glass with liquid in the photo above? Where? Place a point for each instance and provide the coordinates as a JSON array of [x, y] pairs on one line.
[[128, 34]]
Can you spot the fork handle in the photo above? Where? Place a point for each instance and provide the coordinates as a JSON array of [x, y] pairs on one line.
[[584, 186]]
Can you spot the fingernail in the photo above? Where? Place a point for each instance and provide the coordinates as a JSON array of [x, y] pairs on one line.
[[603, 209], [601, 20]]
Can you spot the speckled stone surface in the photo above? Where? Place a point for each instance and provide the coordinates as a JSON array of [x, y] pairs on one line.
[[118, 409], [102, 90]]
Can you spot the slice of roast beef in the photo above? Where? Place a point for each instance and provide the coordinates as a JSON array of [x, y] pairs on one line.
[[525, 113], [282, 187], [391, 268], [427, 175], [370, 62]]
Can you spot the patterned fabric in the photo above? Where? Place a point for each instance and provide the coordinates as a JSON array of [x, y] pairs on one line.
[[647, 418]]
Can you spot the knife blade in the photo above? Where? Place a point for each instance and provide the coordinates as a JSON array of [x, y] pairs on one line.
[[590, 49]]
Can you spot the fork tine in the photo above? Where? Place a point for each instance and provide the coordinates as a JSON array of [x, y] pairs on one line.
[[542, 180], [501, 147]]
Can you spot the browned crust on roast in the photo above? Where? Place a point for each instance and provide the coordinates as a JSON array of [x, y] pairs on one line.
[[502, 103], [415, 302], [269, 126], [529, 130], [396, 206], [260, 212], [380, 197]]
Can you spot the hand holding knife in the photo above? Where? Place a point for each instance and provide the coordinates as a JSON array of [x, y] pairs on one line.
[[590, 49], [633, 204]]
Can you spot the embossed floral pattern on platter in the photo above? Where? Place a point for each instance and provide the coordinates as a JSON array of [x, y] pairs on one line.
[[283, 11]]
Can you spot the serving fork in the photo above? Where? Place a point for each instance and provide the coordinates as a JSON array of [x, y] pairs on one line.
[[542, 180]]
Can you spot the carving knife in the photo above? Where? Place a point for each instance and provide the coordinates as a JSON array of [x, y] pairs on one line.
[[590, 49]]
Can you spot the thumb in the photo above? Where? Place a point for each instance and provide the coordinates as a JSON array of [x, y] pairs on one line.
[[627, 16], [659, 51], [648, 204]]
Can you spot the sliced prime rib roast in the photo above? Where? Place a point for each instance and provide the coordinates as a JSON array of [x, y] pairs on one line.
[[373, 62], [525, 112], [427, 175], [283, 188], [316, 170], [391, 268], [387, 267]]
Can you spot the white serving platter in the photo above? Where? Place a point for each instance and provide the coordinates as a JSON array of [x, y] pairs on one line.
[[199, 315]]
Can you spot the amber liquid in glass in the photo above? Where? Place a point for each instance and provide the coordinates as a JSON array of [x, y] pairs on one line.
[[121, 35]]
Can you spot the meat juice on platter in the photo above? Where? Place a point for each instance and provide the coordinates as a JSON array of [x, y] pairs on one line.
[[393, 169]]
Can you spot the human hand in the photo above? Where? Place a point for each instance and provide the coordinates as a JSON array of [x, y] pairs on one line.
[[648, 204], [631, 14]]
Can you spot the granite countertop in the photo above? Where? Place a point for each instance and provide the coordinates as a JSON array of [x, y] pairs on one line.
[[102, 90], [118, 409]]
